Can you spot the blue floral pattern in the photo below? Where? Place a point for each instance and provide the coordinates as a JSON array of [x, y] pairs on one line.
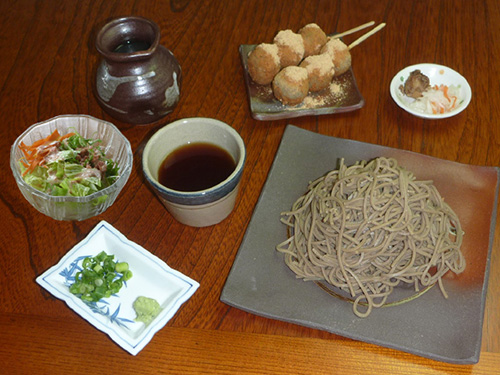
[[101, 307]]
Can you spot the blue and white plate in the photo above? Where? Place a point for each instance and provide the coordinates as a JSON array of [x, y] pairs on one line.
[[115, 316]]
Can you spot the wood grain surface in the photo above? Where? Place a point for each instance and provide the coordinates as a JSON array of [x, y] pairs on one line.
[[47, 68]]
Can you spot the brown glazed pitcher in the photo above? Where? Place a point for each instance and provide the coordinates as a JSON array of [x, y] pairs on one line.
[[138, 81]]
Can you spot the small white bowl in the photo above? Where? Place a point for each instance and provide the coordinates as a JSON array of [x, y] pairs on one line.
[[438, 74], [195, 208]]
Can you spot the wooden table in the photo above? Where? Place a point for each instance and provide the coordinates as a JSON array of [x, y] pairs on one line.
[[47, 64]]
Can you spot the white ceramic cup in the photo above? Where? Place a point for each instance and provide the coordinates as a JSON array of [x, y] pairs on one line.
[[198, 208]]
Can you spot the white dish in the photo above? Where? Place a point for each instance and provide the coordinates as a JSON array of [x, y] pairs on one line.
[[438, 74], [115, 315]]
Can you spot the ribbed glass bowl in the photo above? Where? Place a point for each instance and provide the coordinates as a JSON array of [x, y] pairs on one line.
[[116, 147]]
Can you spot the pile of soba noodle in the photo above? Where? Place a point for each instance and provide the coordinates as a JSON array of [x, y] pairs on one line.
[[369, 227]]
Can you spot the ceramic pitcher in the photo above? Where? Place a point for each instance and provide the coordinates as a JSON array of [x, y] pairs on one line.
[[138, 81]]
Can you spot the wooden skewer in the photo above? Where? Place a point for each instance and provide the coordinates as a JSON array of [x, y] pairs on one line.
[[351, 31], [366, 36]]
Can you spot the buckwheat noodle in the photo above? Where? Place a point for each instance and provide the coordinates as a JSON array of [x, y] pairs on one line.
[[367, 228]]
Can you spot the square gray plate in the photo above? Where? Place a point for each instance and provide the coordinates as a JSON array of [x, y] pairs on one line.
[[431, 326]]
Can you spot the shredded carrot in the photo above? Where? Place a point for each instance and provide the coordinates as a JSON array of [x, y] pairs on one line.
[[36, 156], [452, 99], [438, 107], [30, 168], [454, 102], [53, 137], [445, 92]]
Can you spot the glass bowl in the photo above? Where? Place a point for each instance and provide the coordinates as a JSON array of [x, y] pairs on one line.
[[115, 146]]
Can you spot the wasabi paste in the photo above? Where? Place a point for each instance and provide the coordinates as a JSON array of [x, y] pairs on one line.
[[146, 309]]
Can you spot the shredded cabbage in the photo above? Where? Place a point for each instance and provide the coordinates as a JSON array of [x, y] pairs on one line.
[[75, 167]]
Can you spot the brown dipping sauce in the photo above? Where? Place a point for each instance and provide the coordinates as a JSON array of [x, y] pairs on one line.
[[196, 166]]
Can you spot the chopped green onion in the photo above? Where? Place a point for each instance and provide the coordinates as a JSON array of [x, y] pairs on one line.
[[127, 275], [121, 267], [100, 277]]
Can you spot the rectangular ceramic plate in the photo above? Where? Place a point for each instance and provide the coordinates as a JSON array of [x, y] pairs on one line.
[[264, 106], [115, 316], [431, 326]]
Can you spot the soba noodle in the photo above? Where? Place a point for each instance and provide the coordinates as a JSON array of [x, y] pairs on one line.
[[367, 228]]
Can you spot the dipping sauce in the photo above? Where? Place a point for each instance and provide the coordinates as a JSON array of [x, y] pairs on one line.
[[132, 45], [196, 166]]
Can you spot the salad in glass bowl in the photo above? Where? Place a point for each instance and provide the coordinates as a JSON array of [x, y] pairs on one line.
[[71, 167]]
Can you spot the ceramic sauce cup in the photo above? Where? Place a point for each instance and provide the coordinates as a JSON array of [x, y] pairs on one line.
[[199, 207]]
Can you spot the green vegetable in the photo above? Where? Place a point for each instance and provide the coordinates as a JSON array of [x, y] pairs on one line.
[[68, 166], [100, 277]]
